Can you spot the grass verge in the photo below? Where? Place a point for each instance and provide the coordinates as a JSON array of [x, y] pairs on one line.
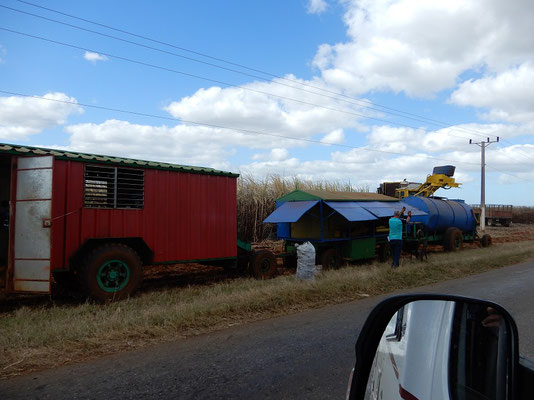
[[43, 337]]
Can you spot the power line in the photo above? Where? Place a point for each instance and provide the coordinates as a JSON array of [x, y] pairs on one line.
[[268, 94], [359, 101], [237, 86], [147, 38], [518, 151], [216, 81], [503, 172], [353, 101], [249, 131], [209, 79]]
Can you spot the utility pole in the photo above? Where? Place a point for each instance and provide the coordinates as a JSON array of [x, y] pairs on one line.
[[482, 146]]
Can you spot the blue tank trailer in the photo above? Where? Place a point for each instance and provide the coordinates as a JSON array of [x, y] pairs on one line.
[[354, 226], [446, 222]]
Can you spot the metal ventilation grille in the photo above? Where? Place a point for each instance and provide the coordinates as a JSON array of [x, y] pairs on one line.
[[99, 188], [113, 187], [130, 188]]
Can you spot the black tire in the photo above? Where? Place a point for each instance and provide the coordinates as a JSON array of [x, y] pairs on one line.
[[111, 272], [263, 264], [453, 240], [506, 222], [486, 241], [330, 259]]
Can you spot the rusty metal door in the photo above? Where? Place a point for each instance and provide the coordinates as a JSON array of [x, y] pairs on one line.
[[33, 212]]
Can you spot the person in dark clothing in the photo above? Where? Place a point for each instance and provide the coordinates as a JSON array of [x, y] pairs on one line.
[[395, 238], [395, 235]]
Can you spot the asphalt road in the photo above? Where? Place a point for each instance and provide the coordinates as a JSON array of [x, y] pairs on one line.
[[308, 355]]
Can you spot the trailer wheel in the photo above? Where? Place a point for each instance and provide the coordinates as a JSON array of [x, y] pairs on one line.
[[263, 264], [111, 272], [486, 241], [506, 222], [330, 259], [453, 240]]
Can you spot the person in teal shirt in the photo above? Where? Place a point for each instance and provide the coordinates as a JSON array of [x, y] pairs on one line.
[[395, 236]]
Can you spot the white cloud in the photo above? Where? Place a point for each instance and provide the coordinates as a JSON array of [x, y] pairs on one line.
[[508, 96], [181, 144], [335, 137], [274, 155], [94, 57], [358, 167], [21, 117], [394, 45], [251, 110], [453, 138], [317, 6], [422, 48]]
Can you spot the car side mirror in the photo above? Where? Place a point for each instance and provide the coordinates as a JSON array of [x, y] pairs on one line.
[[436, 347]]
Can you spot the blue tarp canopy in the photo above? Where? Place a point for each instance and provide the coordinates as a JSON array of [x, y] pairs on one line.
[[351, 210], [290, 211], [380, 208], [386, 209]]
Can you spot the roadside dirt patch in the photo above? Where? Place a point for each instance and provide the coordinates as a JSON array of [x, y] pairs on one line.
[[514, 233]]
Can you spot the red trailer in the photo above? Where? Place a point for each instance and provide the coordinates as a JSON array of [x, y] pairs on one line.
[[495, 214], [97, 220]]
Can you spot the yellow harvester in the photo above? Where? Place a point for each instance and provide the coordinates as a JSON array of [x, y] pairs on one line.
[[441, 178]]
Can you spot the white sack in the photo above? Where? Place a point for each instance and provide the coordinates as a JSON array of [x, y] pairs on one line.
[[305, 261]]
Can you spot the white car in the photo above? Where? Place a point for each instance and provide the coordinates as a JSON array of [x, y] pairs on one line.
[[439, 347]]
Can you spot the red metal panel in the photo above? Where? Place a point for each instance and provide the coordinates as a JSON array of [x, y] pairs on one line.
[[186, 216], [73, 186]]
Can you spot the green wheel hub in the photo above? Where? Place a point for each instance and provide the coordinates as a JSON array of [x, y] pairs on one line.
[[113, 276]]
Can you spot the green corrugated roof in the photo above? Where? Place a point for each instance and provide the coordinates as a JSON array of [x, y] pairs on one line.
[[303, 195], [95, 158]]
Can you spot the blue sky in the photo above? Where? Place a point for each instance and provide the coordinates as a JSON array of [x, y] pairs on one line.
[[447, 71]]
